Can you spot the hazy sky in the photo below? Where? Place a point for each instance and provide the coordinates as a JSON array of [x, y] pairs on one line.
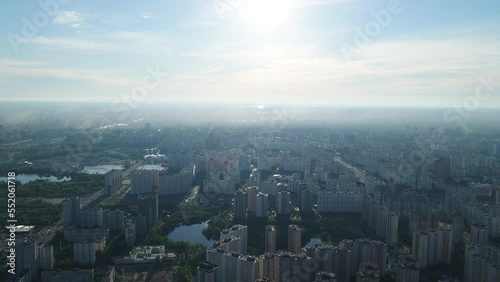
[[338, 52]]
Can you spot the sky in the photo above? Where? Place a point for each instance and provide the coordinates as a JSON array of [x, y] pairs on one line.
[[393, 53]]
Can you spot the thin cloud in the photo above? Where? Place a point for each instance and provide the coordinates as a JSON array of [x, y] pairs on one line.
[[201, 24], [405, 72], [70, 43], [20, 69], [116, 42], [146, 15], [68, 17]]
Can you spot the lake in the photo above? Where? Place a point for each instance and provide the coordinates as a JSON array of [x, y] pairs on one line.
[[191, 233], [25, 178], [101, 169]]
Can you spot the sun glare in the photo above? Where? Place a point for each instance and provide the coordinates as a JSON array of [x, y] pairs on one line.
[[266, 15]]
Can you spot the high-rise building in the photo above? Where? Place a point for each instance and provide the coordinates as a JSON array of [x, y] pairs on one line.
[[342, 259], [240, 204], [322, 255], [306, 200], [235, 267], [290, 266], [113, 220], [322, 276], [270, 239], [261, 204], [283, 202], [479, 234], [90, 218], [442, 168], [239, 231], [245, 162], [231, 265], [145, 181], [432, 246], [387, 225], [252, 199], [294, 239], [112, 181], [339, 202], [27, 257], [370, 251], [213, 142], [494, 149], [351, 246], [130, 232], [208, 272], [71, 209], [482, 263], [230, 244], [177, 184], [284, 266], [84, 252], [368, 272], [269, 267], [147, 205], [251, 268], [140, 225], [391, 235], [407, 270], [215, 255], [46, 255]]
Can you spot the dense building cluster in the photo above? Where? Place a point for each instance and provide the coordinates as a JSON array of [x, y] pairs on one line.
[[420, 204]]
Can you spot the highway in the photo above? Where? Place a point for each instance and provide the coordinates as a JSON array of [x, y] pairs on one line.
[[46, 234], [90, 199], [359, 173]]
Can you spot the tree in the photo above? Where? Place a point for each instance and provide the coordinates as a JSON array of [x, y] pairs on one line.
[[183, 274]]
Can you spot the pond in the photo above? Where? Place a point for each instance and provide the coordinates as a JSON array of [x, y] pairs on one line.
[[25, 178], [191, 234], [101, 169], [151, 167]]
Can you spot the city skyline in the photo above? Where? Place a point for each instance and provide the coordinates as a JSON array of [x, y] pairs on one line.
[[250, 140]]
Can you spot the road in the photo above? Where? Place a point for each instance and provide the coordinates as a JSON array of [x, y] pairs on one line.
[[88, 200], [46, 234], [130, 169], [359, 173]]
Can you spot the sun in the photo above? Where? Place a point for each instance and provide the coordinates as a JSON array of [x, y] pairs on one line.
[[266, 15]]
